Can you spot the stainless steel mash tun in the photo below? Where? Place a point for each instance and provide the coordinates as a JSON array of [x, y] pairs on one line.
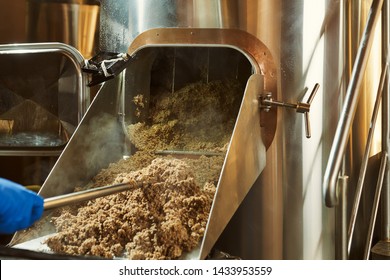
[[289, 187]]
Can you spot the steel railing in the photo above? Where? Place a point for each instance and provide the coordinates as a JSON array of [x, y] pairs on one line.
[[349, 108], [337, 152]]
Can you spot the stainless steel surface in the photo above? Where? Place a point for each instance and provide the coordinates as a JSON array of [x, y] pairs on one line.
[[385, 229], [81, 159], [127, 20], [294, 32], [73, 22], [121, 21], [342, 221], [282, 216], [375, 206], [363, 168], [242, 166], [102, 125], [252, 48], [74, 56], [349, 107], [43, 132], [310, 40], [71, 198], [303, 38]]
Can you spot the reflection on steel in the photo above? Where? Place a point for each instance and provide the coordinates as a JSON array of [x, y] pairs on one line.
[[349, 107], [385, 231], [342, 221], [375, 205], [73, 54], [67, 21], [363, 168], [65, 129], [243, 165]]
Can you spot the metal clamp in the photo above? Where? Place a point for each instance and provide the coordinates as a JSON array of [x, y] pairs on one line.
[[105, 66], [266, 102]]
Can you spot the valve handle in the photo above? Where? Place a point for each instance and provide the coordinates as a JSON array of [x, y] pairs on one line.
[[313, 93], [266, 102], [306, 114]]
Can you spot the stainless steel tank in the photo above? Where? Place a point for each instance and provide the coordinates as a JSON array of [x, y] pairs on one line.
[[43, 97], [283, 216], [294, 45], [74, 22]]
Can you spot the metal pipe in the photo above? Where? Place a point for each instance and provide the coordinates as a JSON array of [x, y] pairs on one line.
[[349, 107], [375, 205], [366, 156], [385, 231], [188, 153], [267, 102], [66, 199], [341, 221]]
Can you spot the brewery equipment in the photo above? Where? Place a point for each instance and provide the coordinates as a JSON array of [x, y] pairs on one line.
[[281, 193]]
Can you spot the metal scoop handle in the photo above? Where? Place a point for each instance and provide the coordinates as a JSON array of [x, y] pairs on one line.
[[66, 199]]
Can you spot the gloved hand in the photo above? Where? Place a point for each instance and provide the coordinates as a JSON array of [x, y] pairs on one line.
[[19, 207]]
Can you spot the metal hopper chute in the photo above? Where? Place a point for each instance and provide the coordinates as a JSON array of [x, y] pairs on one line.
[[102, 138]]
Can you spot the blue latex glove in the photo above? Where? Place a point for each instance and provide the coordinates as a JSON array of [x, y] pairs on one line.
[[19, 207]]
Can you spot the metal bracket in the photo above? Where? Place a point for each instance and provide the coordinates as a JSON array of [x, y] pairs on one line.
[[105, 66], [266, 102]]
